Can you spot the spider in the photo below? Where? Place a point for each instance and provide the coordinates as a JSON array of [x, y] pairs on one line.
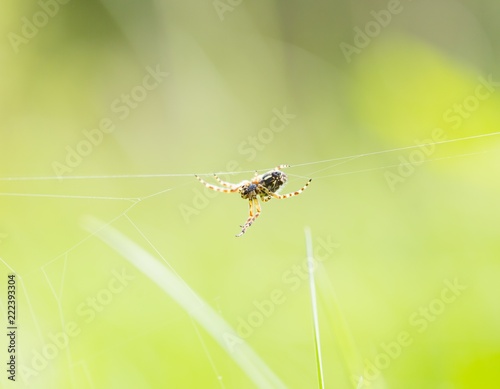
[[265, 185]]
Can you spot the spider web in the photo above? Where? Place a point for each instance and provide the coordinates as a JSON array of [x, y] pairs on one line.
[[320, 171]]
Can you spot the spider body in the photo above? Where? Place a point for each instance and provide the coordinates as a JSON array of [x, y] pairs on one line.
[[274, 180], [264, 186]]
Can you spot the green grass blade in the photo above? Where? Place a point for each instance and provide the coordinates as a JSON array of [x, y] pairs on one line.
[[249, 361], [314, 305]]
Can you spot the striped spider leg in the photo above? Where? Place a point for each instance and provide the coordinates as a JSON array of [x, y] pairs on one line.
[[229, 188], [288, 195], [253, 213], [224, 183]]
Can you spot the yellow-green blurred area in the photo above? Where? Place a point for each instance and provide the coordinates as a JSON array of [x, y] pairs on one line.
[[109, 108]]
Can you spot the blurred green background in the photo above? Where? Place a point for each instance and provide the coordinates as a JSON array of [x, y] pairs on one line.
[[407, 239]]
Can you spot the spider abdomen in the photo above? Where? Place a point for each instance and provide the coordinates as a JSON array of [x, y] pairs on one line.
[[273, 180]]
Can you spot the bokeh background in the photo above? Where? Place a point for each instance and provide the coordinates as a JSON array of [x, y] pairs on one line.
[[406, 240]]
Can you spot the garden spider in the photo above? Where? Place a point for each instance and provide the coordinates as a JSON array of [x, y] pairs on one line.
[[265, 185]]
